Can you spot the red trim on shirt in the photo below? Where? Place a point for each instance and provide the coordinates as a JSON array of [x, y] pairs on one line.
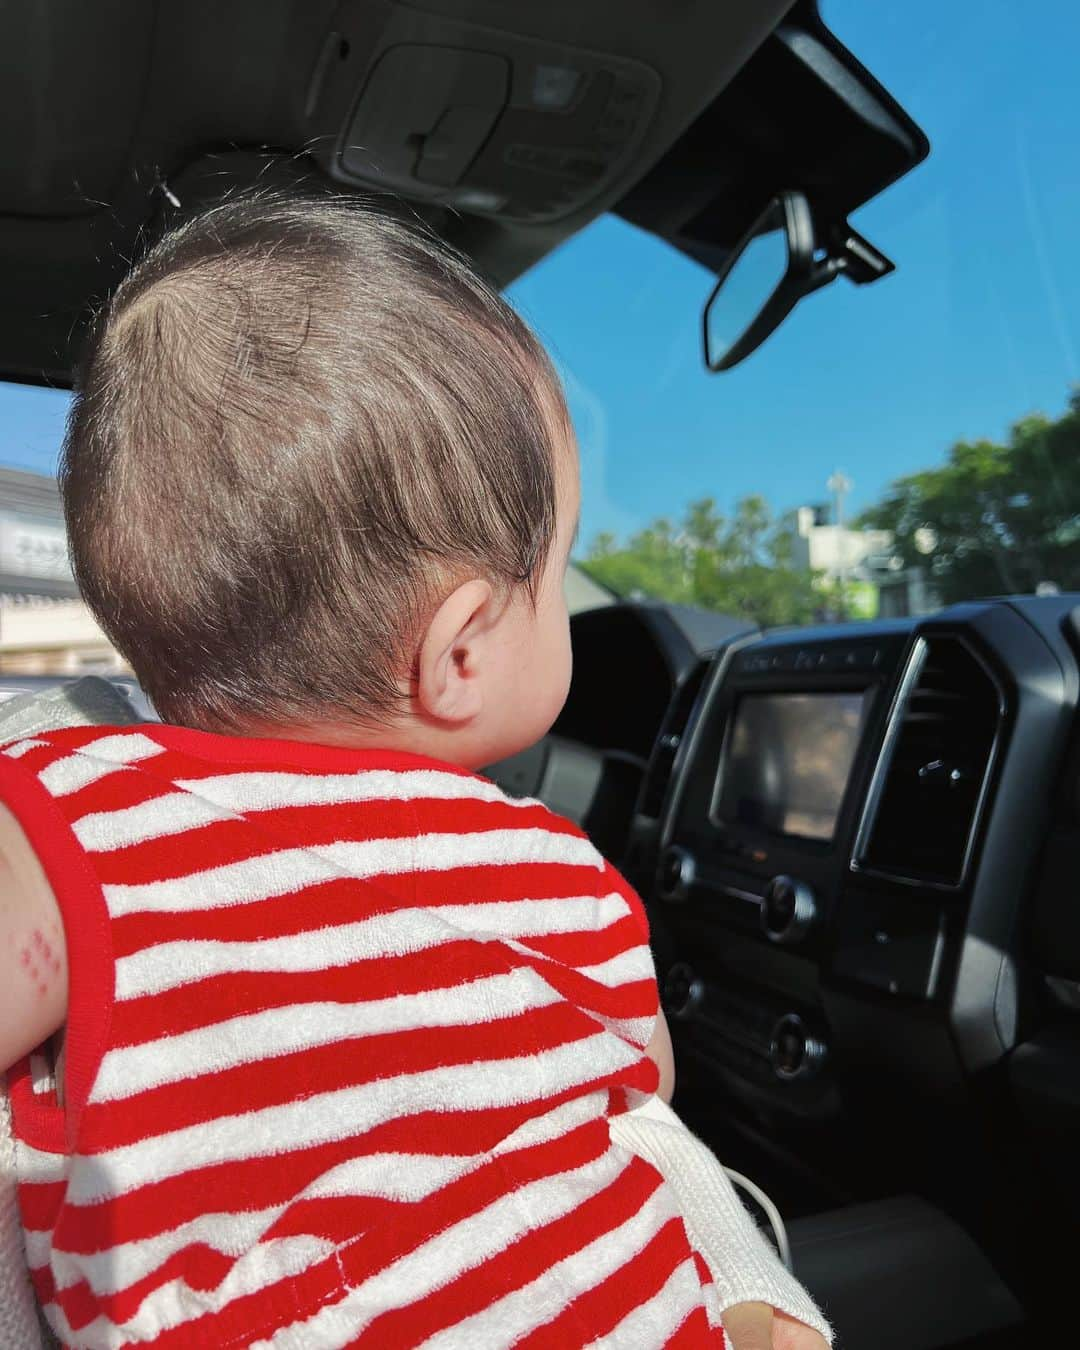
[[306, 754]]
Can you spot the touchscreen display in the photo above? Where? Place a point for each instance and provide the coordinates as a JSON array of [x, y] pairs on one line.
[[786, 762]]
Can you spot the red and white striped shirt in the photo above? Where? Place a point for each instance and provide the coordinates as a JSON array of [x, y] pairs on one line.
[[345, 1032]]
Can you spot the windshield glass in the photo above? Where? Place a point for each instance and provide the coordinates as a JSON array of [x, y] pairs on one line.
[[890, 448]]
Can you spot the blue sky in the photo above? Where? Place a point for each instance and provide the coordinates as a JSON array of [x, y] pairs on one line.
[[979, 325], [31, 427]]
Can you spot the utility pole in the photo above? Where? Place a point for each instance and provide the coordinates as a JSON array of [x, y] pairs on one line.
[[840, 485]]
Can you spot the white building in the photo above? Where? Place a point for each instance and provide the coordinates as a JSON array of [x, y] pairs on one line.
[[835, 550], [45, 629], [864, 559]]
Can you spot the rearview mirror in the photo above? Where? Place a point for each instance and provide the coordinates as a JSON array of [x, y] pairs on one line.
[[776, 263]]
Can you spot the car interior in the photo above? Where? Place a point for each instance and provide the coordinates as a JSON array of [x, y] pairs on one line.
[[857, 844]]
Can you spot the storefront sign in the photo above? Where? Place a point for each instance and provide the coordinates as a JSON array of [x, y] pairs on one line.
[[33, 549]]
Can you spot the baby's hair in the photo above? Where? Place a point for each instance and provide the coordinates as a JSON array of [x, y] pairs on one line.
[[298, 423]]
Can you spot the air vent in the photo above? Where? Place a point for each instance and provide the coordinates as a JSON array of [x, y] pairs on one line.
[[928, 791], [672, 731]]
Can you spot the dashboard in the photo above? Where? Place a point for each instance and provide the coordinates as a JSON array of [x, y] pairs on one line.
[[857, 846], [859, 849]]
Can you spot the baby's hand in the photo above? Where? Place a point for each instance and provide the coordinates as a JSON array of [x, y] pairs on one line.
[[756, 1326]]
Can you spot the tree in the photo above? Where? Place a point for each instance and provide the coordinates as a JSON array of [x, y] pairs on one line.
[[739, 566], [994, 519]]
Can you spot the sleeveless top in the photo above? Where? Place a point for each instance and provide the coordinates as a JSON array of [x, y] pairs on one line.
[[345, 1033]]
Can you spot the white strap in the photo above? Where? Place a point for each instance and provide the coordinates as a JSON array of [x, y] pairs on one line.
[[744, 1267]]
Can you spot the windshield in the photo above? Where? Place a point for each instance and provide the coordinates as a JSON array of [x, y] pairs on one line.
[[890, 448]]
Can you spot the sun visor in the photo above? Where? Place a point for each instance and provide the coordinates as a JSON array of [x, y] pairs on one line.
[[802, 115]]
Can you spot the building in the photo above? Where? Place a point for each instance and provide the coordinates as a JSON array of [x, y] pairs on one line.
[[835, 550], [876, 582], [45, 629]]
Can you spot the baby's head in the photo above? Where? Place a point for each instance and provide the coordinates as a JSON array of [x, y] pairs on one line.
[[320, 483]]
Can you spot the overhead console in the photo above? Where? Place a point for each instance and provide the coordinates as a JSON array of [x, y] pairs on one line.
[[852, 823], [486, 120]]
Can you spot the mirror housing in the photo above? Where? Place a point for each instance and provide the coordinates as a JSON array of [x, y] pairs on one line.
[[808, 264]]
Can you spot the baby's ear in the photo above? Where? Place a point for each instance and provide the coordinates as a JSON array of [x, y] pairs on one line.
[[450, 684]]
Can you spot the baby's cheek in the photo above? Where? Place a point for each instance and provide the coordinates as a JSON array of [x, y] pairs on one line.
[[565, 666]]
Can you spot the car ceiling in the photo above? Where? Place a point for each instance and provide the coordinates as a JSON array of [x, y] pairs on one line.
[[507, 127], [114, 106]]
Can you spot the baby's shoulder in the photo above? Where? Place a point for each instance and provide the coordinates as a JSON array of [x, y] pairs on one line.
[[464, 820], [470, 802]]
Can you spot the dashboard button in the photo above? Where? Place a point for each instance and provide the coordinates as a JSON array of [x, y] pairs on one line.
[[793, 1052], [675, 875], [683, 993], [861, 658], [788, 910]]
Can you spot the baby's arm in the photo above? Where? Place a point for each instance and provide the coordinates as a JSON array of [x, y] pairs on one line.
[[33, 954], [744, 1267], [660, 1052], [749, 1279]]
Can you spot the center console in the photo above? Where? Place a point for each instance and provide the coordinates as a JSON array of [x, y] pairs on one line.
[[850, 816]]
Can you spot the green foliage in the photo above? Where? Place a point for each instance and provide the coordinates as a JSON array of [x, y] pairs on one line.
[[994, 519], [742, 565]]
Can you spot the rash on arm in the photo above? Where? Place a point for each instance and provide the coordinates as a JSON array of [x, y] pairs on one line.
[[33, 953]]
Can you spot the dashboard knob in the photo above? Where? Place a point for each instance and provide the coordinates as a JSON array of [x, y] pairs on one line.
[[793, 1052], [676, 873], [683, 992], [788, 909]]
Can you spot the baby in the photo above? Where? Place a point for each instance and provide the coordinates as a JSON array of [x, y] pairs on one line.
[[347, 1032]]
